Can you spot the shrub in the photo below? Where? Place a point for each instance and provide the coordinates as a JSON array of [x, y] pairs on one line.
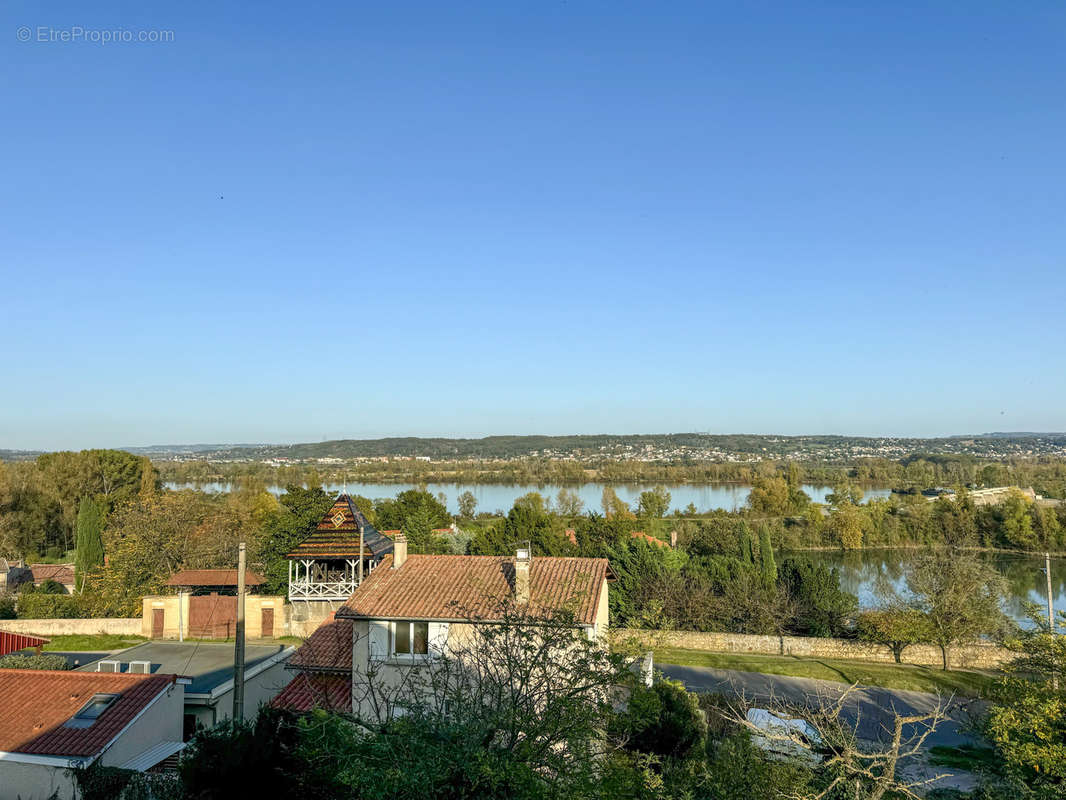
[[7, 606], [34, 661], [53, 606], [663, 720]]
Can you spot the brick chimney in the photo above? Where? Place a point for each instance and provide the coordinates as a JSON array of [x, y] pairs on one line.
[[399, 550], [521, 575]]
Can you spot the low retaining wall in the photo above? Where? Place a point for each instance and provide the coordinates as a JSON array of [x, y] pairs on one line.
[[62, 627], [976, 656]]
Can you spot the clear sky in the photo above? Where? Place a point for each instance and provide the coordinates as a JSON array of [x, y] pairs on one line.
[[298, 221]]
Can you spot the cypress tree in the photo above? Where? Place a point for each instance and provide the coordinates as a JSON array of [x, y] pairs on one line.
[[89, 544], [766, 555], [747, 550]]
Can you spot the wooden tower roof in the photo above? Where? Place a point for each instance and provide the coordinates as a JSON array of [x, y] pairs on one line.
[[337, 535]]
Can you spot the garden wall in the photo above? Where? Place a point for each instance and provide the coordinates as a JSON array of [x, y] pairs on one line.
[[976, 656], [62, 627]]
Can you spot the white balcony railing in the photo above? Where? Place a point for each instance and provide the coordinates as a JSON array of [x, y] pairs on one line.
[[336, 590]]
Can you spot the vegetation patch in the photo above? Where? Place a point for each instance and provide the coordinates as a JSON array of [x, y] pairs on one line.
[[85, 642]]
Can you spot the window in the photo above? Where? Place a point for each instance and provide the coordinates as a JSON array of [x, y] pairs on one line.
[[91, 711], [410, 638]]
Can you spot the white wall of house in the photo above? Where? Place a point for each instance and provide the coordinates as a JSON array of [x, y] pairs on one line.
[[19, 781], [372, 645]]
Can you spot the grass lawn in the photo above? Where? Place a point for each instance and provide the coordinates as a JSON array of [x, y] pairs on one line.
[[92, 642], [889, 676]]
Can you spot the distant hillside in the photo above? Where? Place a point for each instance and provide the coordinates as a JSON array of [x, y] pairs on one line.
[[679, 446], [19, 455]]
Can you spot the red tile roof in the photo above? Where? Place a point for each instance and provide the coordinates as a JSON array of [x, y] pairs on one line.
[[60, 573], [308, 691], [464, 587], [13, 642], [36, 703], [647, 538], [214, 577], [328, 649]]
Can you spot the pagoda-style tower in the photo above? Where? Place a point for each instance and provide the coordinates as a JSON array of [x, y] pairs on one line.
[[325, 568]]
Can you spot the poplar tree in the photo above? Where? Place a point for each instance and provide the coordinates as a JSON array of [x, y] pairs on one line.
[[89, 541]]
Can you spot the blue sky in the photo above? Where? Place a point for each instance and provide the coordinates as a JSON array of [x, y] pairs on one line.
[[365, 219]]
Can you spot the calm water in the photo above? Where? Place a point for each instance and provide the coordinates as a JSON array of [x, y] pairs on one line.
[[496, 497], [861, 572]]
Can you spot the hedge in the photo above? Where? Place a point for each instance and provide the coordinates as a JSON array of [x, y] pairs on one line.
[[54, 606], [35, 661]]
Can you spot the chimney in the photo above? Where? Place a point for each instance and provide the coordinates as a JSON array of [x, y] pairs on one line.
[[399, 550], [521, 575], [673, 539]]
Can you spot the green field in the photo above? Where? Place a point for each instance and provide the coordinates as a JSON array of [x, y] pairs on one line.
[[889, 676]]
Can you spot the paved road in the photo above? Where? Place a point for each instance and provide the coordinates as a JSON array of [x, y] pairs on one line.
[[870, 710]]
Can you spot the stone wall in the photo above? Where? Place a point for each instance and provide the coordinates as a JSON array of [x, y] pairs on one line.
[[977, 656], [62, 627]]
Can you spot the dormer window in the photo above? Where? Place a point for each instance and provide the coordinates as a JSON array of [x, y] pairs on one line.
[[91, 711]]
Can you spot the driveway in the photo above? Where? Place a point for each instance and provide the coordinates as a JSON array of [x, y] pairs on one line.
[[870, 710]]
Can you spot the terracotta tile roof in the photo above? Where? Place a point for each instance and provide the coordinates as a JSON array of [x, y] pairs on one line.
[[214, 577], [328, 649], [647, 538], [308, 691], [463, 587], [337, 535], [60, 573], [36, 703]]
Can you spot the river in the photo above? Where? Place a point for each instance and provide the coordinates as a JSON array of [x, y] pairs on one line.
[[493, 497], [861, 571]]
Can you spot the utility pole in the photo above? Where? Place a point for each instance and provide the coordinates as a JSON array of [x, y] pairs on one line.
[[1050, 604], [360, 554], [238, 645], [181, 622]]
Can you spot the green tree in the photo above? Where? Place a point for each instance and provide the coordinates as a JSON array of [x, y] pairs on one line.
[[747, 547], [770, 496], [467, 505], [654, 503], [568, 503], [613, 505], [299, 512], [664, 720], [1027, 719], [393, 514], [896, 626], [821, 607], [846, 523], [1016, 523], [89, 544], [959, 595], [766, 555]]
